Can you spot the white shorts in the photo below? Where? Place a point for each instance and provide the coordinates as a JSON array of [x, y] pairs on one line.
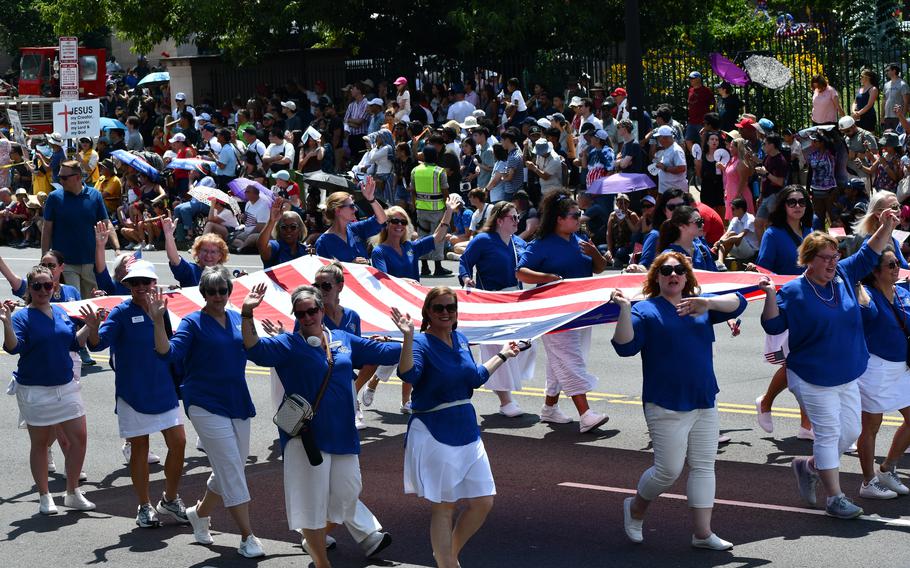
[[133, 423], [444, 474], [884, 386], [327, 493], [47, 406], [385, 372], [511, 374]]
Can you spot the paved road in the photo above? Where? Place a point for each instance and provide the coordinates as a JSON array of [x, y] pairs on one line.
[[559, 492]]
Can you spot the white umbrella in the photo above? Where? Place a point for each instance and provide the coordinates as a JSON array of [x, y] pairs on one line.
[[768, 72], [204, 194]]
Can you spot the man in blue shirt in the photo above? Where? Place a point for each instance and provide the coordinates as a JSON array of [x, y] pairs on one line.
[[226, 162], [70, 215]]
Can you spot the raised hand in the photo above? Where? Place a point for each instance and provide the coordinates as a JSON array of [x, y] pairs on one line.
[[453, 201], [6, 313], [272, 328], [368, 188], [157, 304], [253, 299], [889, 219], [96, 293], [588, 248], [692, 307], [167, 226], [101, 232], [403, 322], [276, 210]]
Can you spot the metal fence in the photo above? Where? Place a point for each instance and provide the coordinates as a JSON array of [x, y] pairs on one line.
[[665, 72]]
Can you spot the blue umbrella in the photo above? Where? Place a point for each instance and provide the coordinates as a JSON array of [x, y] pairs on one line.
[[109, 123], [136, 163], [157, 77]]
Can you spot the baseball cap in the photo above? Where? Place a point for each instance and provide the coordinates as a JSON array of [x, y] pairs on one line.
[[575, 102], [268, 116], [283, 175], [648, 199], [665, 131], [179, 137], [180, 97], [618, 92], [766, 124], [543, 123], [846, 122], [251, 130], [289, 104], [557, 117], [542, 147], [21, 191], [205, 116], [602, 134], [400, 81], [695, 75], [377, 101], [209, 128]]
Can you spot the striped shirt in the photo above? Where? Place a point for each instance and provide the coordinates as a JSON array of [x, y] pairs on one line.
[[357, 110]]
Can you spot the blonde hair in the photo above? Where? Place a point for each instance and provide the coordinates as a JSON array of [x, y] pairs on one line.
[[384, 234], [868, 223], [333, 202], [212, 239], [812, 245], [334, 269], [741, 148], [290, 216], [651, 287]]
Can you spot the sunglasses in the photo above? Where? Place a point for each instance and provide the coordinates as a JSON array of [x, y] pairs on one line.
[[576, 215], [512, 217], [699, 223], [796, 202], [892, 265], [895, 207], [299, 314], [208, 291], [66, 176], [666, 269], [140, 281], [395, 221], [672, 206], [324, 286], [288, 227], [439, 308], [49, 265], [37, 286]]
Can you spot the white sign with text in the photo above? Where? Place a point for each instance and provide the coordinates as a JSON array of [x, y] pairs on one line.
[[73, 119]]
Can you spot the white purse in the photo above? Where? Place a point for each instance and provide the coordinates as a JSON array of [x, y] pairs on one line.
[[294, 412]]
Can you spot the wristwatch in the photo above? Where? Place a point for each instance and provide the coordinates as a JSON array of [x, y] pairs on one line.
[[503, 357]]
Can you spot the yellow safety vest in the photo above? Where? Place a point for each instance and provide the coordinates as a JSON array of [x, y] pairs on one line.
[[426, 185]]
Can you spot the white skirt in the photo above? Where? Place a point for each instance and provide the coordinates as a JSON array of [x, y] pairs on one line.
[[511, 374], [385, 372], [777, 347], [47, 406], [444, 474], [134, 423], [884, 386]]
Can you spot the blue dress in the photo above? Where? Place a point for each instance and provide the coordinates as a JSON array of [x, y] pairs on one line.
[[281, 252]]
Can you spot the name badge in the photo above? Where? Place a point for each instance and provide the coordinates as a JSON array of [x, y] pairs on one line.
[[138, 319], [334, 345]]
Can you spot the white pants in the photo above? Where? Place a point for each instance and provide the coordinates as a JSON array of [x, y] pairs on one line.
[[677, 438], [835, 416], [566, 365], [227, 445], [327, 493]]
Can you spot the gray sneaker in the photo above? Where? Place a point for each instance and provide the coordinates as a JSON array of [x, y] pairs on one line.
[[146, 517], [806, 480], [842, 508], [173, 508]]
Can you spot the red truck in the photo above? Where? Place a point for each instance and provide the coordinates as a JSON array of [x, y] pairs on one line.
[[39, 84]]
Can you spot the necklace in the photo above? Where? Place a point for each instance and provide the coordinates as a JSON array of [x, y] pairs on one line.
[[830, 302]]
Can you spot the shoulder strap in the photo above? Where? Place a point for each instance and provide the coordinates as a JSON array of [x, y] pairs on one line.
[[328, 375], [899, 314]]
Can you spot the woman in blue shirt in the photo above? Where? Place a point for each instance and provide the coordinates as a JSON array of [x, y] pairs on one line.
[[207, 250], [317, 496], [215, 398], [673, 330], [558, 252], [791, 222], [284, 237], [106, 284], [489, 262], [682, 232], [146, 401], [48, 395], [827, 353], [885, 385], [667, 202], [345, 240], [868, 223], [445, 460], [395, 253]]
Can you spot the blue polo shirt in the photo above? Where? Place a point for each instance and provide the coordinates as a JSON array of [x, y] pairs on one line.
[[141, 377], [777, 252], [649, 248], [557, 255], [701, 257], [329, 245], [490, 261], [186, 273], [281, 252], [402, 265], [44, 346], [74, 218], [884, 335]]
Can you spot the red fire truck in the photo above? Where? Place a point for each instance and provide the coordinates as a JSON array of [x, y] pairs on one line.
[[39, 84]]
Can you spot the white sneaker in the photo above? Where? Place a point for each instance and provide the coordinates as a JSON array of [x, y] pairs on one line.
[[876, 490], [251, 547], [51, 466], [76, 500], [591, 420], [852, 448], [330, 543], [127, 450], [764, 418], [358, 421], [553, 415], [368, 395], [511, 410], [46, 505], [713, 542], [405, 408], [632, 525], [153, 457], [803, 434], [892, 481], [150, 247], [200, 526]]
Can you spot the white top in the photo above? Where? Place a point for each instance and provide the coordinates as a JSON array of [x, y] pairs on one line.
[[479, 217], [281, 149], [459, 110], [672, 156], [229, 219], [551, 164], [256, 213], [518, 100], [380, 157], [592, 119], [746, 224], [258, 146], [404, 102]]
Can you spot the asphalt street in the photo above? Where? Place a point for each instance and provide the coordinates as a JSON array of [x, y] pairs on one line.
[[559, 493]]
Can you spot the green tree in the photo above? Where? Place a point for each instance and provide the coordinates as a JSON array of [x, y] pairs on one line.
[[21, 25]]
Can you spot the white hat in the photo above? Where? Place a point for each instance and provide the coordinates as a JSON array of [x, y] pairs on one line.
[[207, 181], [543, 123], [140, 269], [575, 102], [665, 130], [180, 97], [21, 191], [179, 137], [204, 116], [377, 101], [283, 175], [542, 147], [479, 113], [169, 155], [289, 104], [846, 122], [55, 138], [469, 122]]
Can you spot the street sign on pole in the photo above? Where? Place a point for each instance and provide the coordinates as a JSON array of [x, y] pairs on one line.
[[69, 81], [73, 119], [69, 50]]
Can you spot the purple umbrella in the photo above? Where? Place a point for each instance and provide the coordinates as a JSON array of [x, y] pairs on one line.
[[238, 187], [728, 71], [620, 183]]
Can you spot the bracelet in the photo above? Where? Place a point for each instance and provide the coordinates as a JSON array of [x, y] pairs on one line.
[[371, 200], [503, 357], [246, 316]]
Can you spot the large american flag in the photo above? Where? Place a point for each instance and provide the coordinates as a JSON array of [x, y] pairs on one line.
[[484, 317]]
